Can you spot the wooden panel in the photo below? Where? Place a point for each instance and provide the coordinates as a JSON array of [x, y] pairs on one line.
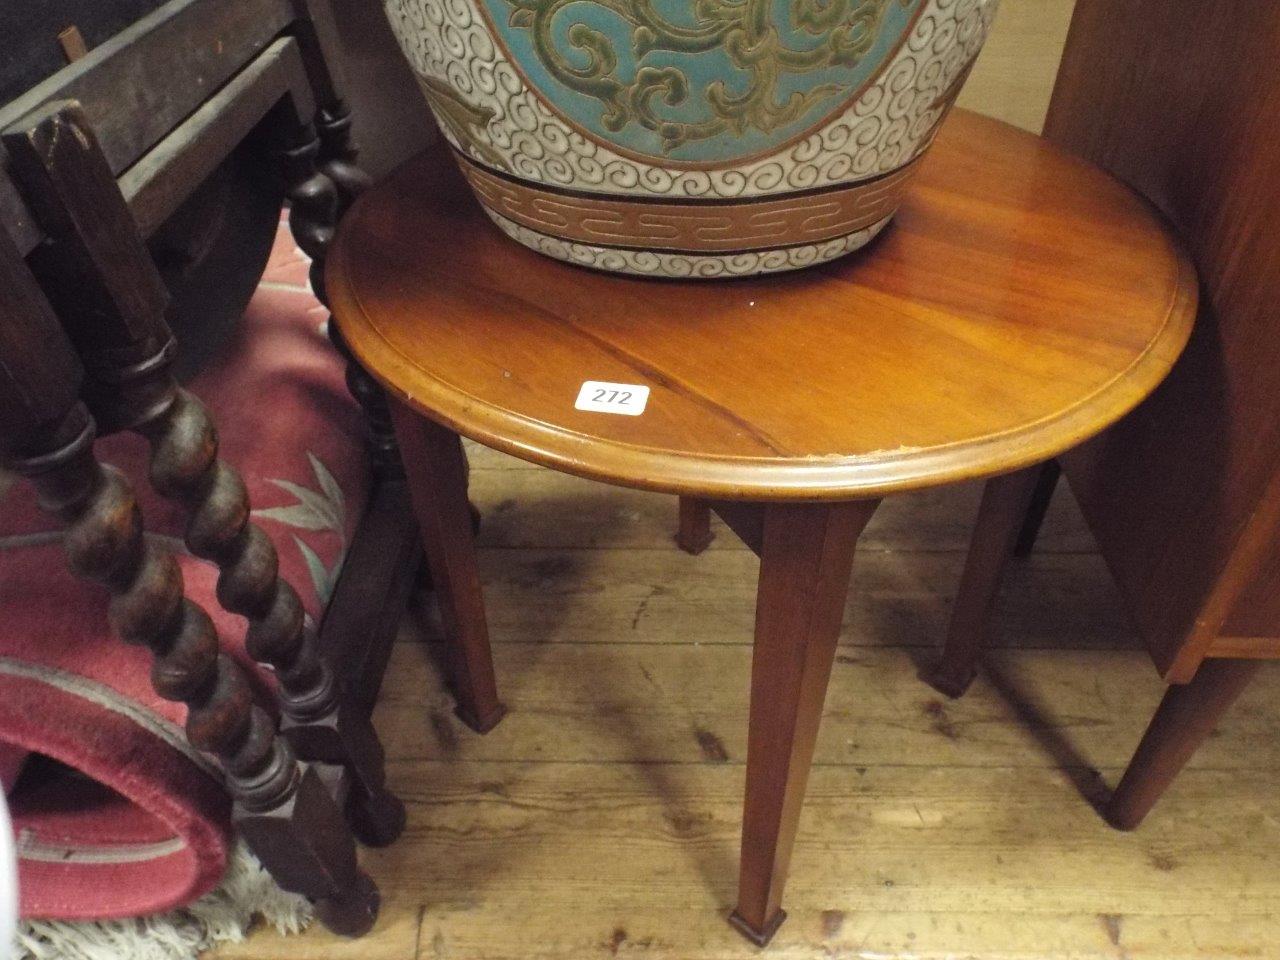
[[161, 180], [1183, 494], [1256, 612], [140, 83], [1245, 648], [158, 183]]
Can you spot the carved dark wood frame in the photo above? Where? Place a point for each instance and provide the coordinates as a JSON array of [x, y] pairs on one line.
[[81, 186], [284, 809]]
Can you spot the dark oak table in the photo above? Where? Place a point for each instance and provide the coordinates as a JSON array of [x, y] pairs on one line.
[[1020, 303]]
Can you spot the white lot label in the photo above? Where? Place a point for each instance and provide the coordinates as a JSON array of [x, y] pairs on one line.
[[627, 399]]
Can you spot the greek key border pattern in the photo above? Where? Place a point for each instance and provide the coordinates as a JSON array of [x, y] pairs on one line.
[[646, 263], [762, 223]]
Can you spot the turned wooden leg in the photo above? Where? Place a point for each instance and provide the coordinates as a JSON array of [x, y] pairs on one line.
[[694, 534], [805, 562], [437, 469], [1042, 496], [321, 180], [1186, 716], [339, 157], [1004, 505]]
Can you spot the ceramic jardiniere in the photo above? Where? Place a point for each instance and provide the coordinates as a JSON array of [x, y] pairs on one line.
[[699, 138]]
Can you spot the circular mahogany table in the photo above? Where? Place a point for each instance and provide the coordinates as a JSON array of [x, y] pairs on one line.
[[1019, 303]]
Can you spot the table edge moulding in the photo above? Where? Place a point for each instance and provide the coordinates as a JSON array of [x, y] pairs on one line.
[[809, 476]]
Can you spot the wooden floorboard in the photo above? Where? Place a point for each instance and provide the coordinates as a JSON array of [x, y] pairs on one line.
[[684, 704], [601, 818]]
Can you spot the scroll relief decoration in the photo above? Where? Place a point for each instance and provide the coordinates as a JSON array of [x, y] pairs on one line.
[[641, 96]]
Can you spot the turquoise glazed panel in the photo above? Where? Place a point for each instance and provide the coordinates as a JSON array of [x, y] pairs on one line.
[[691, 138], [699, 81]]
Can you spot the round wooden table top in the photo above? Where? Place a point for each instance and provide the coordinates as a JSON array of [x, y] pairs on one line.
[[1020, 301]]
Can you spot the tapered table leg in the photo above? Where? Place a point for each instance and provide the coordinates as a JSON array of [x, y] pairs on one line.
[[1004, 508], [694, 534], [1046, 484], [805, 563], [436, 467], [1186, 716]]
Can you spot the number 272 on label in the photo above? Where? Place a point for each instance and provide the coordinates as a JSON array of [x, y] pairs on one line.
[[627, 399]]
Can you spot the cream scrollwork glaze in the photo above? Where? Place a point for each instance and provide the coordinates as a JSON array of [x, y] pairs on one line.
[[691, 101]]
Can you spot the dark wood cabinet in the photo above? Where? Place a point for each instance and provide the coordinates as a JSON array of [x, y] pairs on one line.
[[1184, 494]]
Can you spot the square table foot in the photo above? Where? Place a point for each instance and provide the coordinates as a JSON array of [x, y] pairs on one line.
[[694, 533], [481, 724], [694, 543], [760, 937], [946, 683]]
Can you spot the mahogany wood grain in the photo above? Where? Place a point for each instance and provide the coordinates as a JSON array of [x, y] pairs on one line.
[[806, 558], [1186, 717], [1183, 495], [1174, 492], [1020, 302], [1001, 515], [437, 470]]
